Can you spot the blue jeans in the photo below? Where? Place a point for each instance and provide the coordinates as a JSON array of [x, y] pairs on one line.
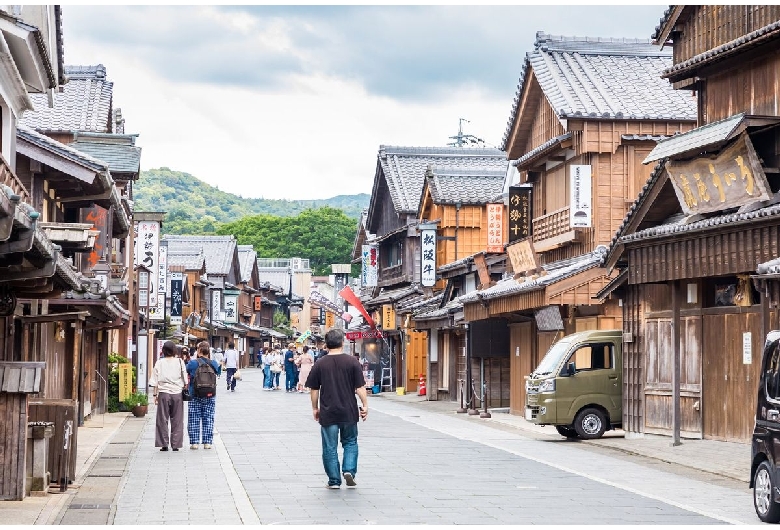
[[275, 379], [267, 376], [330, 456], [231, 383]]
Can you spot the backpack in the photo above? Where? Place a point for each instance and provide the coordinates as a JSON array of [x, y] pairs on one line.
[[205, 381]]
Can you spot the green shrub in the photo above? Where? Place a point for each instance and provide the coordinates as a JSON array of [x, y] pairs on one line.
[[113, 381], [135, 399]]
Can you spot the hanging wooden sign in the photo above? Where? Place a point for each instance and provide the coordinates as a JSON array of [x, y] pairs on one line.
[[522, 256]]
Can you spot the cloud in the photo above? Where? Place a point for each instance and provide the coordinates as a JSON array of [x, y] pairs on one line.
[[403, 52]]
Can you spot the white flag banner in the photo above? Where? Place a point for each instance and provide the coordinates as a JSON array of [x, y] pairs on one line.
[[580, 187], [370, 269]]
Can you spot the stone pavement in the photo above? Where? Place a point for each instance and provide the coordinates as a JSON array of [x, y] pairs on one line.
[[263, 463]]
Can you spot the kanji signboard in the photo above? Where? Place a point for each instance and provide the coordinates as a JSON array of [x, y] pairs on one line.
[[370, 269], [495, 227], [177, 283], [428, 257], [520, 212], [580, 203]]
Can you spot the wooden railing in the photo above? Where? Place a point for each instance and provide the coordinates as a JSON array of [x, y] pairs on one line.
[[552, 224], [9, 178]]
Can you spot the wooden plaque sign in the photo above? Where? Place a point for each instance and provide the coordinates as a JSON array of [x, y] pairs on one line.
[[522, 256], [520, 212], [732, 179], [482, 270]]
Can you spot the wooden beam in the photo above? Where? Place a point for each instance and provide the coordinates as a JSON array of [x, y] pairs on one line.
[[674, 285]]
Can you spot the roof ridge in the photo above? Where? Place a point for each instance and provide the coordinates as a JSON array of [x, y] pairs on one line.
[[543, 39]]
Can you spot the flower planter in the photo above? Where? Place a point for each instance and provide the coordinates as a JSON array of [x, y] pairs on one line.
[[139, 411]]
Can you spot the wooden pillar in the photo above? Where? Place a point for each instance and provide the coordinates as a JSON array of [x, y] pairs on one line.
[[77, 334], [765, 309], [674, 285]]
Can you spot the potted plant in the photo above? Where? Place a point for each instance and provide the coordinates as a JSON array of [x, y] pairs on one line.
[[138, 404]]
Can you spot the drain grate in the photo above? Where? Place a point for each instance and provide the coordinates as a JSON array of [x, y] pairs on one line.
[[113, 457], [89, 507], [106, 475]]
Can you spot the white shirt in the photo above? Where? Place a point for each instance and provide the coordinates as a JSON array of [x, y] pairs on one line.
[[169, 375], [231, 358]]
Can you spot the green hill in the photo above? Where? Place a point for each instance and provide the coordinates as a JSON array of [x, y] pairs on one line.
[[195, 207]]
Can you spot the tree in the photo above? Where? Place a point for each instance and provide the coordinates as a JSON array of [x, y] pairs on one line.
[[324, 236]]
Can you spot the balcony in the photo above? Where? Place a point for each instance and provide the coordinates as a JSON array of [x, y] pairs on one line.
[[552, 230], [8, 178]]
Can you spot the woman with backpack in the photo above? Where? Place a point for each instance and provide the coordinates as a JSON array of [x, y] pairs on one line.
[[203, 372]]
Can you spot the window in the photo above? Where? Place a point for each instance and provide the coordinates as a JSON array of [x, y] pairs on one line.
[[393, 253], [772, 373], [594, 356]]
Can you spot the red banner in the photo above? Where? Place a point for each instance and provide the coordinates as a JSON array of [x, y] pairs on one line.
[[368, 334], [349, 296]]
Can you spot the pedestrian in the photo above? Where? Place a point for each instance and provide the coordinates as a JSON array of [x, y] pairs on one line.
[[200, 418], [231, 365], [266, 360], [319, 350], [276, 368], [305, 362], [289, 368], [334, 381], [216, 355], [185, 355], [169, 377]]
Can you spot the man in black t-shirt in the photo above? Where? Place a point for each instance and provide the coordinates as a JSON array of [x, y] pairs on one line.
[[334, 380]]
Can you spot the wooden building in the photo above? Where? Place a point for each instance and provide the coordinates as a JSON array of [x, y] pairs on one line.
[[577, 137], [392, 221], [467, 206], [704, 221]]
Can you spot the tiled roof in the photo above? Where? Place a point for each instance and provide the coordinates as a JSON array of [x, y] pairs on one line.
[[769, 267], [190, 260], [404, 168], [453, 306], [65, 151], [118, 151], [653, 137], [664, 20], [601, 78], [698, 138], [679, 226], [754, 38], [247, 258], [394, 295], [467, 186], [556, 272], [217, 250], [549, 145], [83, 105], [421, 302]]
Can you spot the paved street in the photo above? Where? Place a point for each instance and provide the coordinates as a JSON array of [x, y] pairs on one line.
[[415, 467]]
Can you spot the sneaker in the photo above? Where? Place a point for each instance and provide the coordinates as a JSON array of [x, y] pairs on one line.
[[206, 446], [350, 479], [232, 389], [175, 449], [333, 486], [163, 448], [193, 446]]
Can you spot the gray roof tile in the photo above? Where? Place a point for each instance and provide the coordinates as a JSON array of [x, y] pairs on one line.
[[698, 138], [190, 260], [404, 168], [64, 150], [467, 186], [769, 267], [83, 105], [217, 250], [603, 78], [118, 151], [247, 258]]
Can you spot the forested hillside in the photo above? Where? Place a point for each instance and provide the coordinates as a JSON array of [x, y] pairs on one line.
[[195, 207]]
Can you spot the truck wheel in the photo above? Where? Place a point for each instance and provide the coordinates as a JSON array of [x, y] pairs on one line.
[[568, 432], [766, 508], [590, 423]]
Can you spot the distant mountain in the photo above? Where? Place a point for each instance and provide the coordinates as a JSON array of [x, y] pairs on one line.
[[195, 207]]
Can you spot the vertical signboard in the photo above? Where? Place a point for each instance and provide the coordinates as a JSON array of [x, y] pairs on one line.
[[158, 312], [231, 308], [370, 266], [495, 227], [520, 212], [330, 319], [216, 305], [177, 284], [580, 204], [148, 254], [388, 317], [98, 218], [428, 257], [125, 380]]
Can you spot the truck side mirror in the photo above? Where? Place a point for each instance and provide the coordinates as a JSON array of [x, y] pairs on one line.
[[571, 369]]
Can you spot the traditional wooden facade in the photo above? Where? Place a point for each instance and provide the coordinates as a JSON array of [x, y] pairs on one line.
[[468, 208], [392, 220], [577, 140], [704, 221]]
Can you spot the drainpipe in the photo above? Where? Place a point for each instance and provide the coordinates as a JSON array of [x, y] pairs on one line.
[[457, 218]]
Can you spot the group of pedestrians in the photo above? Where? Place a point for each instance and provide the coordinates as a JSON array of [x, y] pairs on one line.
[[296, 366], [333, 381]]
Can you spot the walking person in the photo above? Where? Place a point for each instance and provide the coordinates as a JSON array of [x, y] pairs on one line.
[[276, 368], [231, 365], [289, 368], [168, 379], [200, 417], [305, 362], [266, 362], [334, 380]]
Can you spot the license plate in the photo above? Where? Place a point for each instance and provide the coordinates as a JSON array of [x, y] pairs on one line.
[[529, 414]]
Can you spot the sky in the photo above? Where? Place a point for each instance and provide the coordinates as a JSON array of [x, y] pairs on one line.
[[293, 102]]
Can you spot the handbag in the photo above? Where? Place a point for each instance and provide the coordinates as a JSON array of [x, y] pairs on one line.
[[276, 368], [185, 394], [185, 391], [237, 375]]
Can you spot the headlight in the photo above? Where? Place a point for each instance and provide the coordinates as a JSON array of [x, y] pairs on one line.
[[548, 385]]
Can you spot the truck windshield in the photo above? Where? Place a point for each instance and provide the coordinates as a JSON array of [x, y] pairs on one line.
[[553, 357]]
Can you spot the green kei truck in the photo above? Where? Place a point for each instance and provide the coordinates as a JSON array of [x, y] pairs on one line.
[[577, 386]]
